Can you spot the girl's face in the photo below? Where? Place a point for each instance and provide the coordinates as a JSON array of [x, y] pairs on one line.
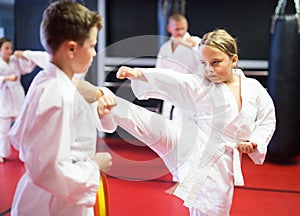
[[217, 66], [6, 50]]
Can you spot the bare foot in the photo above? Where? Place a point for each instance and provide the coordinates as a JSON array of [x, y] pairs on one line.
[[172, 189], [1, 160]]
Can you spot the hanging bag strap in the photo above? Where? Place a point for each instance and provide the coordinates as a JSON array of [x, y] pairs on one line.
[[280, 10], [297, 6]]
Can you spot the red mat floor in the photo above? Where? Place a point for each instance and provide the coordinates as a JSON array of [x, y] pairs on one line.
[[138, 180]]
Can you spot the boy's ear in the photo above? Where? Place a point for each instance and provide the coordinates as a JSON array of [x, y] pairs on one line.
[[71, 48], [168, 28]]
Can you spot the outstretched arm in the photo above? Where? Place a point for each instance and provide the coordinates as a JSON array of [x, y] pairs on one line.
[[19, 54], [25, 64], [102, 100], [130, 73], [177, 88], [40, 58]]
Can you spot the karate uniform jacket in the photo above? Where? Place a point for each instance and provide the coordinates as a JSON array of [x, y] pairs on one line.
[[12, 92], [207, 138], [182, 59], [56, 136]]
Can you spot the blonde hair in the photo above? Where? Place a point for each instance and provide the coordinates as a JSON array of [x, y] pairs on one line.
[[221, 40], [177, 17]]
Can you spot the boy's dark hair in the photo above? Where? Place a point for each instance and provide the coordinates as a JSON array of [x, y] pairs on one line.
[[67, 20], [3, 40]]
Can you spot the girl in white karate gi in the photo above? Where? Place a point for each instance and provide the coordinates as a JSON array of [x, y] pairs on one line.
[[11, 90], [224, 114], [56, 129]]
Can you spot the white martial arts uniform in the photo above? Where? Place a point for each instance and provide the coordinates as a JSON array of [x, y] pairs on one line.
[[56, 136], [11, 97], [40, 58], [211, 128], [183, 59]]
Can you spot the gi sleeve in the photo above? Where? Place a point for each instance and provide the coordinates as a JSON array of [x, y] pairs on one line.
[[106, 123], [176, 88], [197, 40], [264, 125], [25, 65], [40, 58], [89, 92]]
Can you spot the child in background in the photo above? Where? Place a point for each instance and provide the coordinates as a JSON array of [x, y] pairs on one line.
[[56, 129], [11, 90], [224, 115]]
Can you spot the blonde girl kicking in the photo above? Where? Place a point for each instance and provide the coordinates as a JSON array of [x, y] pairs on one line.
[[224, 114]]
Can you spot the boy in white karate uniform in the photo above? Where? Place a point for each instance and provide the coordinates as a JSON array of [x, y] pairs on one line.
[[56, 129]]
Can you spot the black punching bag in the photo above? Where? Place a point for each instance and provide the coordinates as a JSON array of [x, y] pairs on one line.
[[284, 82]]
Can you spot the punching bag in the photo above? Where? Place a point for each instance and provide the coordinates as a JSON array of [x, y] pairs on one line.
[[284, 82]]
